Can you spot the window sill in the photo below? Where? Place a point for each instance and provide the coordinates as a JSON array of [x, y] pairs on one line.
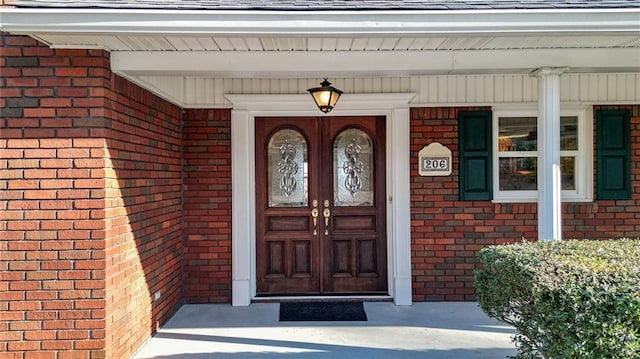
[[535, 200]]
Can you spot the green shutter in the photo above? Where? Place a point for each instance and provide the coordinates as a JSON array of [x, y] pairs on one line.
[[613, 154], [475, 155]]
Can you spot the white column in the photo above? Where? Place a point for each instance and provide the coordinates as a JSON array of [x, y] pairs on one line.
[[549, 179], [242, 218], [400, 205]]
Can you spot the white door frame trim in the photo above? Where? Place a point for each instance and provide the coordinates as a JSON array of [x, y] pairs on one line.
[[395, 106]]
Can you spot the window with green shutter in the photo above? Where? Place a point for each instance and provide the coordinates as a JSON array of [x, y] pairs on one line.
[[613, 151], [475, 138]]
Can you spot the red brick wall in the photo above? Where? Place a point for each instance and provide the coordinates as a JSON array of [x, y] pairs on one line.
[[447, 233], [604, 219], [107, 198], [143, 210], [207, 206], [90, 186]]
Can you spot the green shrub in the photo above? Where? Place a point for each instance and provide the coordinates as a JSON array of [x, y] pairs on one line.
[[567, 299]]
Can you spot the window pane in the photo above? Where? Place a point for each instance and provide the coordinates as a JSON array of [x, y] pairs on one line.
[[569, 133], [518, 174], [353, 169], [568, 170], [287, 167], [518, 134]]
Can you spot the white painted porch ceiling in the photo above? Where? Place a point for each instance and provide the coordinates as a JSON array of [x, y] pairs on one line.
[[115, 43], [197, 70], [193, 58]]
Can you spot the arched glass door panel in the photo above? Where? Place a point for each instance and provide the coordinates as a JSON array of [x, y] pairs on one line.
[[288, 169], [353, 164]]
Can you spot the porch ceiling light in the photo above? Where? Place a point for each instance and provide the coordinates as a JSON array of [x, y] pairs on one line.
[[325, 96]]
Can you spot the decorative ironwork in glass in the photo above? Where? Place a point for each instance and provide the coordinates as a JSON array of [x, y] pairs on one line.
[[287, 167], [353, 169]]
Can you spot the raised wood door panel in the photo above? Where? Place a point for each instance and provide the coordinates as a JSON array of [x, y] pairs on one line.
[[344, 252]]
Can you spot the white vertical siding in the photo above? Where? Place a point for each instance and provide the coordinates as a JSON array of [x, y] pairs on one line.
[[172, 88], [436, 90]]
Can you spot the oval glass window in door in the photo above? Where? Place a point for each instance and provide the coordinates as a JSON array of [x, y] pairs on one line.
[[353, 168], [288, 169]]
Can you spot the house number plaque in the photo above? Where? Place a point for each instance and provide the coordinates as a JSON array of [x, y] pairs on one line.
[[434, 160]]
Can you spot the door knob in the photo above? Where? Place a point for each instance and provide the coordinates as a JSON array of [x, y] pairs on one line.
[[326, 214], [314, 214]]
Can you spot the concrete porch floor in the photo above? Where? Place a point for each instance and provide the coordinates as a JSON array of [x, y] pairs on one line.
[[443, 330]]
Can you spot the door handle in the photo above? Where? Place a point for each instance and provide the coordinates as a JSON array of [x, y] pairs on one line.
[[326, 214], [314, 215]]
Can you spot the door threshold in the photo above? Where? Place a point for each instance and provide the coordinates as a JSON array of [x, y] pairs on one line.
[[323, 298]]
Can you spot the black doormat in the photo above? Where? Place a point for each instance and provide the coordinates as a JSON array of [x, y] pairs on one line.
[[322, 311]]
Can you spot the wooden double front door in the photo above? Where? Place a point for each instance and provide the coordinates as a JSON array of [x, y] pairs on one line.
[[320, 218]]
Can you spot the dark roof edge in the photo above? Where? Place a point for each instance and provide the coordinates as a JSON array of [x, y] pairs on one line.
[[328, 5]]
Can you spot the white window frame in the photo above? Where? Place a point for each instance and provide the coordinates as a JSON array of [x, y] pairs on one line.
[[584, 158]]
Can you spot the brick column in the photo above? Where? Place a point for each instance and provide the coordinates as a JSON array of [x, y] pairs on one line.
[[52, 292], [90, 206], [207, 205]]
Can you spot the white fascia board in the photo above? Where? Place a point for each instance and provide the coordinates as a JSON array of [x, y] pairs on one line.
[[320, 23], [367, 63], [288, 64]]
